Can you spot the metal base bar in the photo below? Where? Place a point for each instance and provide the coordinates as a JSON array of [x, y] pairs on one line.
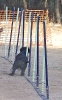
[[7, 59], [36, 88]]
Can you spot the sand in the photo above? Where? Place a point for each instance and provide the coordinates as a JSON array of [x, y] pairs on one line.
[[18, 88]]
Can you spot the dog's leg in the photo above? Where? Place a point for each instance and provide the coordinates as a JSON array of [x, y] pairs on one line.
[[13, 69], [22, 72], [23, 69]]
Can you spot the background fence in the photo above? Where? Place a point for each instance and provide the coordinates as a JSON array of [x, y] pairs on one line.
[[6, 25], [42, 15]]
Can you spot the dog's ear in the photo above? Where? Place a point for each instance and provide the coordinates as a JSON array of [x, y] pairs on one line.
[[23, 49]]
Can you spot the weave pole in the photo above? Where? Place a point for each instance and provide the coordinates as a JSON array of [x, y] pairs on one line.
[[35, 55], [11, 33], [43, 71], [6, 31], [22, 28], [18, 36], [37, 51], [23, 14], [15, 32], [28, 35], [46, 67], [31, 27]]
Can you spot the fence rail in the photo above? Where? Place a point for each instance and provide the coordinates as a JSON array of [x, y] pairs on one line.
[[42, 15], [5, 27]]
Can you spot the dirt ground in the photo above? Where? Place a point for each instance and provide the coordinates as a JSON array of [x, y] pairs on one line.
[[18, 88]]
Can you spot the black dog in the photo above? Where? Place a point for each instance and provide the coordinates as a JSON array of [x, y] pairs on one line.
[[20, 61], [22, 54]]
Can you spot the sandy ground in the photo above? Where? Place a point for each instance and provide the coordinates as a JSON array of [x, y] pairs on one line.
[[18, 88]]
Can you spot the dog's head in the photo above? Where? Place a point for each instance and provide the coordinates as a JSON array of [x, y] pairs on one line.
[[23, 50]]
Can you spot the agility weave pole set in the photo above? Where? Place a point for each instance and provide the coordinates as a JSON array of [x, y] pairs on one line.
[[14, 50]]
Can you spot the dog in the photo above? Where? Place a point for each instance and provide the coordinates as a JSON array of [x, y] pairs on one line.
[[20, 61], [22, 52]]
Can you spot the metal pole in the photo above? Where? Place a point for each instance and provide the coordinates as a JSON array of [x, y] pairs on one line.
[[22, 28], [15, 32], [37, 51], [43, 71], [21, 31], [28, 35], [6, 31], [35, 55], [29, 66], [11, 33], [46, 67], [18, 36]]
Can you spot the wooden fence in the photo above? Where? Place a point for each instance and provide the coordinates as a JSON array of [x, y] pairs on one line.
[[42, 15]]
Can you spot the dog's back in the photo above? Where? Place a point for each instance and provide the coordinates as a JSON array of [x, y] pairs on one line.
[[21, 56]]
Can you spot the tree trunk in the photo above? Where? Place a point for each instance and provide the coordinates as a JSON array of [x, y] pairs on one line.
[[57, 11], [45, 3], [25, 4]]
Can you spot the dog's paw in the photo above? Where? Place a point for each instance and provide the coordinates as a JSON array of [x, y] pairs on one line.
[[11, 74]]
